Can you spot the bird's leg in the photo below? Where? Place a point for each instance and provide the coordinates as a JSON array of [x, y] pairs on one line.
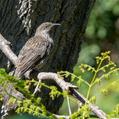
[[37, 87]]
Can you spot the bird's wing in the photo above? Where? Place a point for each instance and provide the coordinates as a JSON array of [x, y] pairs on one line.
[[33, 51]]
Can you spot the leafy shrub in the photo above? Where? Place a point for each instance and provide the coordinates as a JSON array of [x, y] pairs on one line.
[[103, 70]]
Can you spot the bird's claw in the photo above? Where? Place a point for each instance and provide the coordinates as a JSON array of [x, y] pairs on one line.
[[37, 88], [68, 86]]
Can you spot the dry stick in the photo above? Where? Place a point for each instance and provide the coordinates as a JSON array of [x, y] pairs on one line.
[[4, 46]]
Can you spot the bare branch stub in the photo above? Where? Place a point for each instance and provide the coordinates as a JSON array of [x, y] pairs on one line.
[[4, 46]]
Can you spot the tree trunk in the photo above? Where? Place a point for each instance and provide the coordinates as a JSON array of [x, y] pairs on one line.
[[20, 18]]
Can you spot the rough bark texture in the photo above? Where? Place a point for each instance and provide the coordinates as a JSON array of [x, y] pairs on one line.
[[20, 18]]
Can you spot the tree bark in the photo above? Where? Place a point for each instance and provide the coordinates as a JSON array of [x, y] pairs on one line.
[[20, 18]]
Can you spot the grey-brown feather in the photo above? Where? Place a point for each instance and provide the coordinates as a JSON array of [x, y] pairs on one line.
[[34, 51]]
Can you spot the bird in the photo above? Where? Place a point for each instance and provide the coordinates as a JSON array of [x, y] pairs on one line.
[[35, 50]]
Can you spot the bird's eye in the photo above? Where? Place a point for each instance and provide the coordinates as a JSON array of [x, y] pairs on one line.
[[47, 26]]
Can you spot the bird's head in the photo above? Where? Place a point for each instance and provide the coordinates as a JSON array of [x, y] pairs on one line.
[[45, 27]]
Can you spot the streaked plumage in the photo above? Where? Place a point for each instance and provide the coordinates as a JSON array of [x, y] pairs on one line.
[[35, 50]]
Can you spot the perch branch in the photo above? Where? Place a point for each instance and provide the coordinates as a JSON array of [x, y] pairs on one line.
[[4, 46]]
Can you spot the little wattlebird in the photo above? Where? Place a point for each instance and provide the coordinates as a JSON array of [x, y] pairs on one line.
[[35, 50]]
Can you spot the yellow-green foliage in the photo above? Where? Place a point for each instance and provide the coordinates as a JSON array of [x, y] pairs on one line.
[[103, 69], [82, 113], [31, 104]]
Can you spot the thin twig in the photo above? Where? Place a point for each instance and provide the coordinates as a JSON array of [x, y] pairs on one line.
[[69, 106]]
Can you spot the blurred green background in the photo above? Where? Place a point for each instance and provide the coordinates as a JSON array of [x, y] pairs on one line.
[[102, 34]]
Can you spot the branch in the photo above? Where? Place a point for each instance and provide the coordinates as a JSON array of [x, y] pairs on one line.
[[53, 76], [4, 46], [95, 109]]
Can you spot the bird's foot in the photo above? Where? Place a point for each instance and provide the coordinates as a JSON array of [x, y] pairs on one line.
[[37, 88]]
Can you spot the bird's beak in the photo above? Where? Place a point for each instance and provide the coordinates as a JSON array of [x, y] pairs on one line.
[[56, 24]]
